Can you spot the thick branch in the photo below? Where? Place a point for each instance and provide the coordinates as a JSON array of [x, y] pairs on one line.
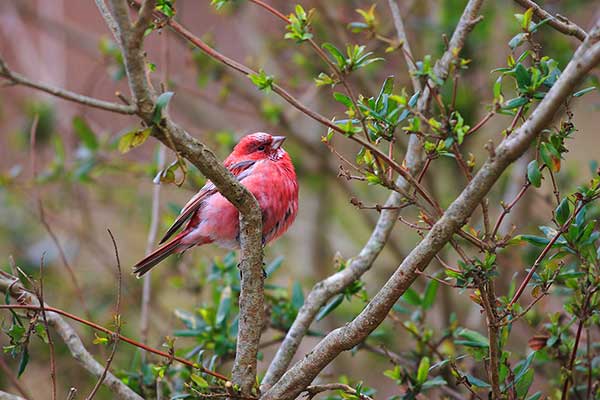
[[558, 22], [341, 339], [326, 289], [70, 338], [18, 79], [173, 136]]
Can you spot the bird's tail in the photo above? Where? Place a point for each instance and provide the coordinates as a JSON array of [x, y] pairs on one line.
[[162, 252]]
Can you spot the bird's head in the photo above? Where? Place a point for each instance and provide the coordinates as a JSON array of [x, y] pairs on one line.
[[258, 146]]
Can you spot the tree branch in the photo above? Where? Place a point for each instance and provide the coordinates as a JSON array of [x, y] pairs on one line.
[[8, 396], [323, 291], [68, 335], [18, 79], [403, 40], [303, 372], [558, 22], [173, 136]]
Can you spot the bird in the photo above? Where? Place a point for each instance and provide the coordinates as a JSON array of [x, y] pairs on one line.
[[260, 164]]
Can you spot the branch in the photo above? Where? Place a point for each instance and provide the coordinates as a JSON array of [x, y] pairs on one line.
[[8, 396], [18, 79], [252, 285], [558, 22], [71, 339], [7, 280], [313, 390], [402, 39], [345, 338], [323, 291]]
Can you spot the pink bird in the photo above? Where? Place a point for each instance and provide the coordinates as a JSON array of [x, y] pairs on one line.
[[263, 167]]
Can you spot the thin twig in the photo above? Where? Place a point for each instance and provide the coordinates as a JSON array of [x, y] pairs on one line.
[[19, 79], [559, 22], [45, 320], [313, 390], [544, 252], [117, 319], [121, 337], [14, 381]]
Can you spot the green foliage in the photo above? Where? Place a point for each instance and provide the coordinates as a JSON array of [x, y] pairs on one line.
[[298, 28], [262, 81]]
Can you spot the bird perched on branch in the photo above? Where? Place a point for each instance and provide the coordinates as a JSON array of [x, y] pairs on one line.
[[263, 167]]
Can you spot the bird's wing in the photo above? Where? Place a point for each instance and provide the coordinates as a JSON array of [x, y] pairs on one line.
[[240, 170]]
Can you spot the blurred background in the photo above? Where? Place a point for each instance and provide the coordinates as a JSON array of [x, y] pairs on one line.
[[87, 186]]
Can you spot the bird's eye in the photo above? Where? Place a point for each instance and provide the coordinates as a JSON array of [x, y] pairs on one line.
[[261, 147]]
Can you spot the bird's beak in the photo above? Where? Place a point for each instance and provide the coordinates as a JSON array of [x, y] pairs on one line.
[[277, 142]]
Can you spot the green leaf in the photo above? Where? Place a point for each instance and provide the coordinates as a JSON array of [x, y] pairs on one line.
[[477, 382], [583, 91], [297, 295], [23, 362], [515, 103], [262, 80], [517, 40], [274, 266], [498, 88], [411, 297], [525, 383], [342, 98], [562, 212], [473, 339], [85, 133], [522, 76], [413, 100], [133, 139], [430, 294], [161, 105], [527, 19], [329, 307], [423, 370], [198, 380], [533, 173], [336, 54], [434, 382], [224, 306]]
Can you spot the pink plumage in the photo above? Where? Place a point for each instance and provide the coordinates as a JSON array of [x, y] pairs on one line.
[[262, 166]]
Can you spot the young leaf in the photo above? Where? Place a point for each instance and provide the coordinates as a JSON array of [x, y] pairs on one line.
[[161, 105], [133, 139], [411, 297], [430, 294], [329, 307], [85, 133], [262, 80], [477, 382], [23, 362], [562, 212], [533, 173], [224, 306], [583, 91], [342, 98], [297, 295], [336, 54], [423, 370]]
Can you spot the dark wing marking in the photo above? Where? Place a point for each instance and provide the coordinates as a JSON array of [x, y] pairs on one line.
[[240, 170]]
